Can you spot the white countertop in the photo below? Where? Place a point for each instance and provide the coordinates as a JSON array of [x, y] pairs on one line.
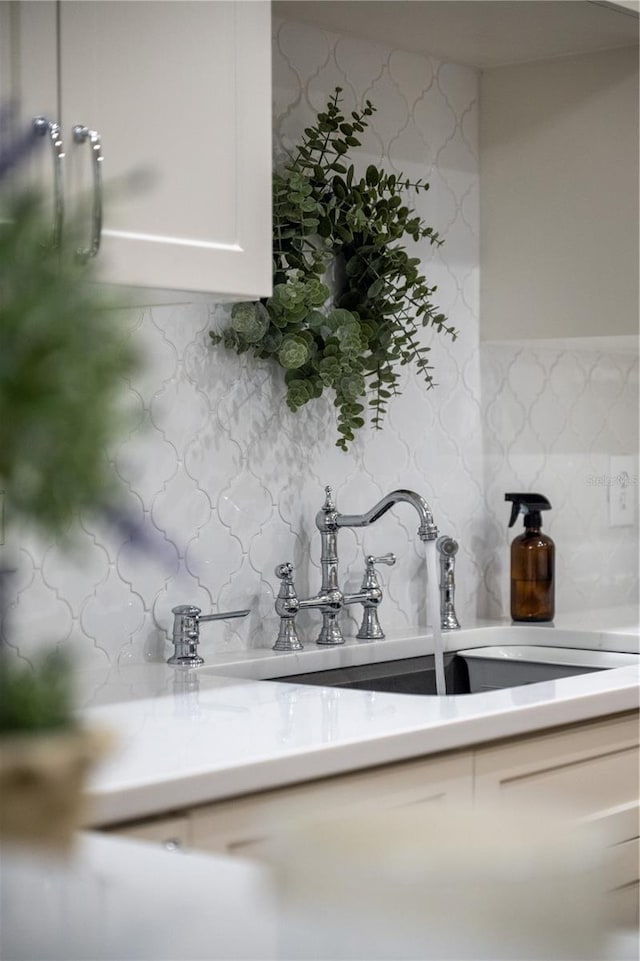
[[119, 900], [186, 737]]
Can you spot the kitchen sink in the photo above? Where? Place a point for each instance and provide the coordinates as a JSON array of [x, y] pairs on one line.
[[467, 672]]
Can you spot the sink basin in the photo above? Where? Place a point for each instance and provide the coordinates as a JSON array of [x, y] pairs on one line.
[[467, 672]]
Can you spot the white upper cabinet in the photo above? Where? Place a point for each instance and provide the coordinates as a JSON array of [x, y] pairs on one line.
[[28, 80], [177, 97], [478, 33], [559, 175]]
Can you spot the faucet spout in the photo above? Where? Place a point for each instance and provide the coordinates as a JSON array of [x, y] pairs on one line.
[[427, 531]]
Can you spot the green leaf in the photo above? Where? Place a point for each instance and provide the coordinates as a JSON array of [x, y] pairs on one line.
[[376, 288], [372, 175], [293, 352], [354, 266]]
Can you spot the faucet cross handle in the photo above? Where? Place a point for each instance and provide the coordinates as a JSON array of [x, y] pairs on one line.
[[284, 572], [370, 577], [287, 606], [389, 559]]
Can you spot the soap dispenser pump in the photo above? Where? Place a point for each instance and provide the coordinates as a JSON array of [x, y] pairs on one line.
[[532, 562]]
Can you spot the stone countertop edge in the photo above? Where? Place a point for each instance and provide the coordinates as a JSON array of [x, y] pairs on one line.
[[228, 736]]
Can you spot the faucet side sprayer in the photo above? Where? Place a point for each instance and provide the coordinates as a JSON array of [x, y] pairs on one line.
[[447, 549]]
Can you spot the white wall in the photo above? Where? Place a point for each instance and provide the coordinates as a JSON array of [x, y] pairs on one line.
[[228, 479], [559, 199]]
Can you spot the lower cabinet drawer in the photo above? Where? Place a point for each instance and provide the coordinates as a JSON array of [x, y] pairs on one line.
[[588, 769], [623, 907], [170, 832], [245, 825], [622, 863]]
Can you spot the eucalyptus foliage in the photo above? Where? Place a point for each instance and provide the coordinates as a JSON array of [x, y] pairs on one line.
[[349, 336]]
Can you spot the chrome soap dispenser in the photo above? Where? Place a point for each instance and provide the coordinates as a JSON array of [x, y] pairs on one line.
[[532, 562]]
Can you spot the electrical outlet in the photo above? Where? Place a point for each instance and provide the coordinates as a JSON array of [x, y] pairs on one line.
[[623, 490]]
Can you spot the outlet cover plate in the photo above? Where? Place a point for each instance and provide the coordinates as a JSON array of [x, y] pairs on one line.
[[623, 490]]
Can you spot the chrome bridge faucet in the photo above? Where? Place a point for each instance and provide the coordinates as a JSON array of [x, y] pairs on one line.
[[330, 599]]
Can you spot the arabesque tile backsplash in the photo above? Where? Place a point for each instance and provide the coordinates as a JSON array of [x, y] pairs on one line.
[[228, 481], [554, 413]]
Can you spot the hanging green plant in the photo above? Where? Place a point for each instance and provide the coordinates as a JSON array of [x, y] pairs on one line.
[[349, 335]]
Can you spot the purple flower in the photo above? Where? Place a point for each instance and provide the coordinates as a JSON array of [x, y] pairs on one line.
[[15, 144]]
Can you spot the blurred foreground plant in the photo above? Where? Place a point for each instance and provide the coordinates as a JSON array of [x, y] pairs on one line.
[[63, 365], [36, 697]]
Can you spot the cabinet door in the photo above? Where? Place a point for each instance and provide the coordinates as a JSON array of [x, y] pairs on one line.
[[591, 769], [7, 91], [179, 93], [28, 80], [246, 826]]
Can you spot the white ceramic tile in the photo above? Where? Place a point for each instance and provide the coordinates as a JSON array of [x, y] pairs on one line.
[[434, 118], [39, 618], [459, 87], [144, 462], [146, 571], [213, 555], [180, 508], [168, 408], [112, 613], [178, 326], [160, 356], [75, 576]]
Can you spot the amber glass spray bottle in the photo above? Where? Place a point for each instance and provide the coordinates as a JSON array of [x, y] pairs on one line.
[[532, 562]]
